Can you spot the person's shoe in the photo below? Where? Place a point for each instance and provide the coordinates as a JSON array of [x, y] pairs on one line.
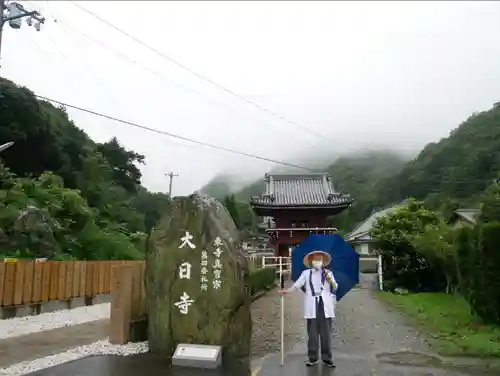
[[329, 363], [311, 363]]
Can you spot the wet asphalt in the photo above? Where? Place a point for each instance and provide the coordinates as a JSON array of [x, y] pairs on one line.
[[368, 340], [135, 365]]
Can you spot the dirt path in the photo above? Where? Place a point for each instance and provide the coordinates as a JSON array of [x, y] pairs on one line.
[[366, 327], [362, 326]]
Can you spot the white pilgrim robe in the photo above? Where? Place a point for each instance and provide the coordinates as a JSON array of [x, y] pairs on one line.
[[328, 296]]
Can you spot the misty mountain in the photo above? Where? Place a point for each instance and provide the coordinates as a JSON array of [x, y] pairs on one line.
[[347, 172], [221, 186], [243, 187], [359, 174], [239, 184], [458, 167]]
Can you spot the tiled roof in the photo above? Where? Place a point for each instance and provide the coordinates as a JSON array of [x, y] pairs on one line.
[[368, 224], [470, 215], [300, 190]]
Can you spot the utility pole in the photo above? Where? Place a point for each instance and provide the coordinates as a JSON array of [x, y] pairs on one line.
[[171, 175], [12, 12]]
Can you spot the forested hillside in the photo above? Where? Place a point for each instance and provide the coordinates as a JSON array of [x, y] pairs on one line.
[[63, 195], [456, 168], [358, 175]]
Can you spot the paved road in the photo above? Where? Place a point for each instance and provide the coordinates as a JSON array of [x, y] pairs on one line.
[[368, 339]]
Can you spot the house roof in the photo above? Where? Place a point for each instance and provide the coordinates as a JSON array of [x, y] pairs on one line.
[[300, 190], [368, 224], [470, 215]]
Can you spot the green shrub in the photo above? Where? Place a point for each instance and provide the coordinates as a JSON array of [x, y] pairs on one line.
[[479, 263], [262, 279]]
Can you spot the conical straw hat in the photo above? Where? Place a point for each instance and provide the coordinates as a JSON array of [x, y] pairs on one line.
[[327, 259]]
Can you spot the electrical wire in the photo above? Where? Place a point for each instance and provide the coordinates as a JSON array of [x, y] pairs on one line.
[[149, 70], [256, 105], [89, 68], [173, 135]]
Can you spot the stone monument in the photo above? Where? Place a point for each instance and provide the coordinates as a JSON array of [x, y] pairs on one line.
[[197, 281]]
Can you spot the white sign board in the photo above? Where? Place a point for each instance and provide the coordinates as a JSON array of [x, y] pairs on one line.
[[196, 352], [199, 356]]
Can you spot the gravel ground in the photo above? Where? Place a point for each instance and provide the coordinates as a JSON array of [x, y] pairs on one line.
[[266, 323], [370, 339], [362, 326], [21, 326], [365, 326]]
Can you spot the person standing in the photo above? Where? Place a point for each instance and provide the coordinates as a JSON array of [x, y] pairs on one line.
[[319, 286]]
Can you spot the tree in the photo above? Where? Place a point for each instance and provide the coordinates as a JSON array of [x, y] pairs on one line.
[[436, 242], [62, 194], [479, 259], [124, 171], [393, 239], [490, 208]]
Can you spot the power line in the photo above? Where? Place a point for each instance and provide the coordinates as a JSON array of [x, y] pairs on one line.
[[173, 135], [256, 105], [147, 69]]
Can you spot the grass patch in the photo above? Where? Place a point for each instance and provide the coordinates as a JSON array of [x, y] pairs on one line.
[[448, 323]]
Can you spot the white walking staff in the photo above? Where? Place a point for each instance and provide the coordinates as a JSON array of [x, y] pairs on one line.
[[282, 315]]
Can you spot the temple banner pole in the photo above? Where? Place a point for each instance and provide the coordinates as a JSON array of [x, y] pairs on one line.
[[282, 347]]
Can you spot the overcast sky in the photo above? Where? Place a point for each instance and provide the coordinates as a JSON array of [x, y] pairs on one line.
[[364, 74]]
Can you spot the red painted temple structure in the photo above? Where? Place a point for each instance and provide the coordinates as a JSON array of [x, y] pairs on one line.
[[297, 205]]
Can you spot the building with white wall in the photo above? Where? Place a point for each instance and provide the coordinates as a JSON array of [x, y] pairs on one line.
[[360, 238]]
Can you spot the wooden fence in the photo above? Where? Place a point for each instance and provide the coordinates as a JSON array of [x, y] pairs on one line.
[[128, 310], [30, 282]]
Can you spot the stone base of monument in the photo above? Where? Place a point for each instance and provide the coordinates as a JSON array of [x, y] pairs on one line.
[[197, 356]]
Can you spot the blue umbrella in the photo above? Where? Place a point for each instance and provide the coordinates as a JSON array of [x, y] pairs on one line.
[[344, 265]]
